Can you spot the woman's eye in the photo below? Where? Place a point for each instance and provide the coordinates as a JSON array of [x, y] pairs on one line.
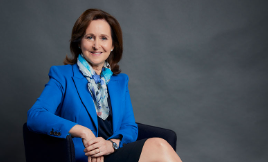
[[104, 38], [89, 37]]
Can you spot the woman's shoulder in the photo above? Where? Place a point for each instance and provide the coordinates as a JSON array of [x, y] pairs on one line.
[[61, 67], [121, 76], [61, 70]]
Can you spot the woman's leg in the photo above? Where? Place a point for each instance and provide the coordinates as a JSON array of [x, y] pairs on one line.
[[158, 150]]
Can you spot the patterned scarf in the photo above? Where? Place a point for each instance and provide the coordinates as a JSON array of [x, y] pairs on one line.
[[97, 85]]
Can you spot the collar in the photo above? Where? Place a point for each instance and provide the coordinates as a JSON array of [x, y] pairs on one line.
[[77, 73]]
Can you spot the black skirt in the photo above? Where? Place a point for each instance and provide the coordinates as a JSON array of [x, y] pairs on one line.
[[128, 153]]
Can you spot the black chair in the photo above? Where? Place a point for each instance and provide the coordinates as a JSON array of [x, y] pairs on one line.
[[44, 148]]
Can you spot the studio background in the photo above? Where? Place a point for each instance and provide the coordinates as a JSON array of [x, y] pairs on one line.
[[198, 67]]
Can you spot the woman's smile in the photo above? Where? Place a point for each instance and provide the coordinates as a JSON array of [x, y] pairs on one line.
[[96, 53]]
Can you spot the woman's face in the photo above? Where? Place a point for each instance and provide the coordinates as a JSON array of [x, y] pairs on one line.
[[97, 43]]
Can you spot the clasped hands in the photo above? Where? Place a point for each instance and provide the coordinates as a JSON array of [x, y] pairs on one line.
[[96, 148]]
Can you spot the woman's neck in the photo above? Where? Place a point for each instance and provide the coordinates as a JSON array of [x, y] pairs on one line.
[[97, 69]]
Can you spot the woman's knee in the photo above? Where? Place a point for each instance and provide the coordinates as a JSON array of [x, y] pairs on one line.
[[158, 143], [155, 149]]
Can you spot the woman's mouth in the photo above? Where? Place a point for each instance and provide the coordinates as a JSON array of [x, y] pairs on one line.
[[96, 53]]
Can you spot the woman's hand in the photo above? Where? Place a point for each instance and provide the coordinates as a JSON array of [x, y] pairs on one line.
[[96, 159], [82, 132], [98, 147]]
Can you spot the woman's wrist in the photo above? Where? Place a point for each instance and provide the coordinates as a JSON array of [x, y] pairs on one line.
[[114, 144], [110, 146], [80, 131], [117, 141]]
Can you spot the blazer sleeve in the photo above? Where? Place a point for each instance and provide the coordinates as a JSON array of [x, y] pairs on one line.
[[42, 117], [128, 130]]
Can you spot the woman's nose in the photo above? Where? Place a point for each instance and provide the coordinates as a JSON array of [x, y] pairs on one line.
[[96, 44]]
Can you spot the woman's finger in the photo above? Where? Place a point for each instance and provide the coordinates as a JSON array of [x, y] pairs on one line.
[[99, 147], [95, 153], [99, 140], [89, 159], [95, 140], [87, 141], [93, 159], [98, 143], [99, 159], [92, 147]]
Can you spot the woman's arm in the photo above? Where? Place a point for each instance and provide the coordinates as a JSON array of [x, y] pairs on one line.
[[128, 130], [42, 116], [82, 132]]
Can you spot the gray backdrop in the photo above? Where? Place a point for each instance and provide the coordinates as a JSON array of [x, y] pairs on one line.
[[198, 67]]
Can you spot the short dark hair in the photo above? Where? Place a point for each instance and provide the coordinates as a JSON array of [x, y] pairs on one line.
[[79, 30]]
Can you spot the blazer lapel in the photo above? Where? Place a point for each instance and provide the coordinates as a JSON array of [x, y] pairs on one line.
[[113, 86], [81, 86]]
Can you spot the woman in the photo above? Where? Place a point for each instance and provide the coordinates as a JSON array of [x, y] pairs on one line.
[[88, 98]]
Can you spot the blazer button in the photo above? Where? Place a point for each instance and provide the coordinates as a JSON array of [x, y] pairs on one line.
[[55, 133], [59, 133], [52, 132]]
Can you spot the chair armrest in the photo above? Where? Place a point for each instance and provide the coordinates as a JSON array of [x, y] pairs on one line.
[[147, 131], [45, 148]]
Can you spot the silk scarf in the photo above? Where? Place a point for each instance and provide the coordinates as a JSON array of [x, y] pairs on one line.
[[97, 85]]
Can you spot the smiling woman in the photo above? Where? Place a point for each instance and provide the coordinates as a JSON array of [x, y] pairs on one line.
[[88, 98], [97, 44], [80, 32]]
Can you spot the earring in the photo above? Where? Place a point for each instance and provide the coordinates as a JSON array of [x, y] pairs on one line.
[[112, 50]]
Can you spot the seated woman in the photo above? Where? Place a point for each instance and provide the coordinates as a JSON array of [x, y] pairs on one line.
[[88, 98]]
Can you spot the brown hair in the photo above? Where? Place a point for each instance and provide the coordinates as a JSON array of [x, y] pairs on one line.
[[79, 30]]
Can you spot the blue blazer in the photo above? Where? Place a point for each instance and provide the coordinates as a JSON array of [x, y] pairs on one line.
[[66, 101]]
